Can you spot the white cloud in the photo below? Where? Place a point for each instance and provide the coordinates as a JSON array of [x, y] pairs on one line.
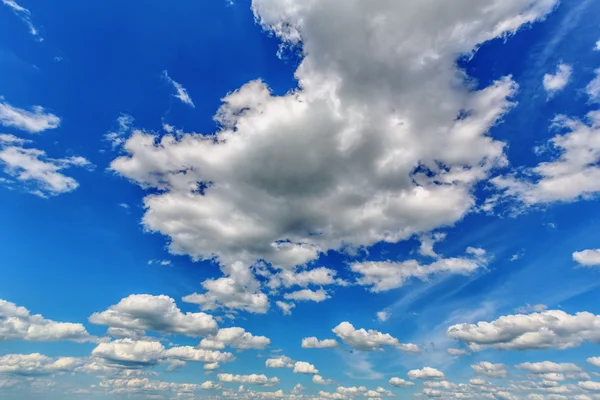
[[39, 173], [238, 290], [279, 362], [333, 164], [383, 315], [308, 295], [573, 174], [302, 367], [31, 365], [547, 367], [236, 338], [34, 121], [319, 380], [361, 339], [426, 374], [590, 385], [252, 379], [527, 308], [188, 353], [382, 276], [587, 258], [597, 48], [554, 83], [156, 313], [117, 137], [492, 370], [17, 323], [211, 366], [399, 382], [151, 389], [182, 93], [286, 308], [314, 343], [595, 361], [318, 276], [130, 352], [593, 88], [25, 16], [427, 243], [457, 352], [544, 330]]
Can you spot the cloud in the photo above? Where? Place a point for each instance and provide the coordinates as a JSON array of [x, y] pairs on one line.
[[547, 367], [319, 380], [286, 308], [252, 379], [38, 172], [552, 329], [399, 382], [302, 367], [426, 374], [147, 388], [34, 121], [595, 361], [236, 338], [554, 83], [590, 385], [382, 140], [130, 352], [17, 323], [118, 137], [318, 276], [383, 315], [156, 313], [238, 290], [182, 93], [427, 243], [314, 343], [188, 353], [383, 276], [492, 370], [593, 88], [457, 352], [25, 16], [531, 308], [573, 174], [587, 258], [32, 365], [308, 295], [279, 362], [361, 339]]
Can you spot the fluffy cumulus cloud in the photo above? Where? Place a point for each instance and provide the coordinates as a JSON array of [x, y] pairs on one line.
[[279, 362], [548, 367], [382, 139], [399, 382], [307, 295], [544, 330], [317, 276], [369, 340], [587, 258], [571, 175], [286, 308], [182, 93], [148, 388], [319, 380], [488, 369], [156, 313], [593, 88], [314, 343], [17, 323], [252, 379], [34, 170], [595, 361], [302, 367], [426, 374], [554, 83], [236, 338], [382, 276], [32, 365], [35, 121]]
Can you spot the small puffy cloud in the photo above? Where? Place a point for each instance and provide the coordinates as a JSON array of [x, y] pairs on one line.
[[595, 361], [318, 276], [252, 379], [382, 276], [399, 382], [156, 313], [147, 388], [130, 352], [39, 174], [31, 365], [427, 243], [35, 121], [573, 174], [587, 258], [314, 343], [554, 83], [117, 137], [236, 338], [319, 380], [590, 385], [547, 367], [593, 88], [17, 323], [188, 353], [457, 352], [286, 308], [426, 374], [361, 339], [237, 290], [302, 367], [182, 93], [211, 366], [383, 315], [544, 330], [308, 295], [279, 362], [492, 370]]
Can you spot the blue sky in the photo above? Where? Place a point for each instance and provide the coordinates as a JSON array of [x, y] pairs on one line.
[[300, 199]]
